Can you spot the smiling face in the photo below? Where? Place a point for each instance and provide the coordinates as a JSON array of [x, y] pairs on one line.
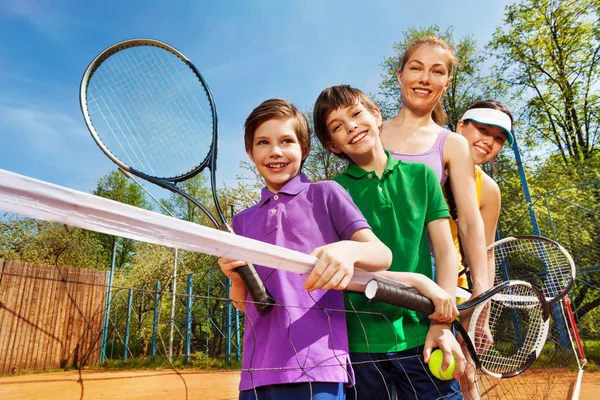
[[353, 130], [424, 77], [485, 141], [276, 152]]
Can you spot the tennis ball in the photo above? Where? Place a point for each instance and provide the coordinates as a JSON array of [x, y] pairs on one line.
[[435, 365]]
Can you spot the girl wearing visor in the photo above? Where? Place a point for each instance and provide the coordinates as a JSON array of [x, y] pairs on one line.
[[486, 125]]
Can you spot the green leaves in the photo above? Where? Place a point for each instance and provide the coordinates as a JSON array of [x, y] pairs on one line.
[[549, 51]]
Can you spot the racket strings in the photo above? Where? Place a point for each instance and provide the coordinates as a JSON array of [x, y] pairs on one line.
[[540, 262], [146, 100], [508, 329], [151, 111]]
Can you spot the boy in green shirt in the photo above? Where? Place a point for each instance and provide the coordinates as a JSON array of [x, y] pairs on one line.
[[403, 203]]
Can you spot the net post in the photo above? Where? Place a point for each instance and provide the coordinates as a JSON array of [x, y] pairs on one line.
[[155, 323]]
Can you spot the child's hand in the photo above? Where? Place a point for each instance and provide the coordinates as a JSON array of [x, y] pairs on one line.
[[483, 335], [441, 336], [238, 292], [334, 269], [445, 309], [228, 267]]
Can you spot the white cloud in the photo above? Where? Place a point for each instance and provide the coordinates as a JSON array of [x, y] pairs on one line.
[[49, 17], [44, 131]]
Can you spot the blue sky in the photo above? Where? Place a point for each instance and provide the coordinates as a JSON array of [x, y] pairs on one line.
[[248, 51]]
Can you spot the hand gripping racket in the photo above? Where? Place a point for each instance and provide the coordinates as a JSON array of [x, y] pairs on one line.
[[151, 112], [514, 314], [537, 260]]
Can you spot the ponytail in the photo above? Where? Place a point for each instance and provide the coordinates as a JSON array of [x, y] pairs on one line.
[[438, 114]]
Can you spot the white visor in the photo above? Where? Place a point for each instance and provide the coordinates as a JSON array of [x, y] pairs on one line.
[[489, 116]]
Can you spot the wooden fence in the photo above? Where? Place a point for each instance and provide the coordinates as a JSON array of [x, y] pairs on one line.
[[50, 316]]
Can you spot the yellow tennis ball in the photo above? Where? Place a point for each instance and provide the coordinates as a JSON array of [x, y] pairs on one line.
[[435, 366]]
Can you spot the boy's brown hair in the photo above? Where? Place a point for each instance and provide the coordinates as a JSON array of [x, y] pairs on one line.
[[277, 109], [331, 99]]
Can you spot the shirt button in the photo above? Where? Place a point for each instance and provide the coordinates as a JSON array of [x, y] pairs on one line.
[[380, 189], [276, 197], [273, 211], [369, 176]]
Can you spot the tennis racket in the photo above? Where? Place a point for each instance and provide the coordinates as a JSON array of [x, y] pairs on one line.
[[515, 313], [537, 260], [151, 112]]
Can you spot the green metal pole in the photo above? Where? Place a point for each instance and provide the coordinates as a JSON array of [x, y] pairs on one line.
[[108, 301]]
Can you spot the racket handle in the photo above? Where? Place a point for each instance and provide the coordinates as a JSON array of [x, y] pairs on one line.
[[398, 296], [261, 297], [255, 286]]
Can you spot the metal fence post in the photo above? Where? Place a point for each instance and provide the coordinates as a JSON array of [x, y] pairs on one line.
[[128, 323], [188, 322], [155, 324], [228, 322], [108, 301]]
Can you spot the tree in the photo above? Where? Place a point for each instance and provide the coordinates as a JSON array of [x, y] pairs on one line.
[[549, 53], [468, 84], [115, 186], [249, 184], [321, 163], [31, 240]]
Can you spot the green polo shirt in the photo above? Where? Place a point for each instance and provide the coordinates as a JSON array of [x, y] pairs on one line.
[[398, 208]]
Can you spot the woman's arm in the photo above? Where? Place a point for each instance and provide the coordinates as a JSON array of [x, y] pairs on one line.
[[489, 207], [470, 225], [444, 253]]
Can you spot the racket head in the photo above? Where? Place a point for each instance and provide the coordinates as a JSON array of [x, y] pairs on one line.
[[537, 260], [516, 315], [150, 110]]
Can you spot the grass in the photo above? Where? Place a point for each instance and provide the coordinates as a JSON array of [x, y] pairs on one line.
[[197, 361], [592, 353]]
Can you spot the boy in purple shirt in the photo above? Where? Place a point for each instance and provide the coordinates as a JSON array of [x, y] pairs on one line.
[[299, 348]]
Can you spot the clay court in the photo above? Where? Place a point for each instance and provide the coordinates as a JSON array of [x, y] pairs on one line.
[[222, 385]]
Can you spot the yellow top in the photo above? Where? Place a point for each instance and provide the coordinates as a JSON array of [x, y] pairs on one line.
[[462, 279]]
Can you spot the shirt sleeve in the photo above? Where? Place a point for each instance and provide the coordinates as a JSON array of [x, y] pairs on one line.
[[344, 214], [436, 204]]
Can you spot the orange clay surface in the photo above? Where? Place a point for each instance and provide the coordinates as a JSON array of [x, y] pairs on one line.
[[217, 385]]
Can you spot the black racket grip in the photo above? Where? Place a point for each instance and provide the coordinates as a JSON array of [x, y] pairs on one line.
[[259, 293], [398, 296], [255, 286]]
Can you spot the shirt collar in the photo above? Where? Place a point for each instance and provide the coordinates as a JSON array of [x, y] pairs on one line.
[[357, 172], [292, 188]]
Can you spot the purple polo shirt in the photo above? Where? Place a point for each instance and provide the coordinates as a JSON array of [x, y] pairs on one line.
[[299, 342]]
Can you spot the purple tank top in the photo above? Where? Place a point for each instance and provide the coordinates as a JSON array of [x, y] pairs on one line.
[[434, 157]]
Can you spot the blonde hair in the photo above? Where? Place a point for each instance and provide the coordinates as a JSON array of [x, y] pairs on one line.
[[438, 114]]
